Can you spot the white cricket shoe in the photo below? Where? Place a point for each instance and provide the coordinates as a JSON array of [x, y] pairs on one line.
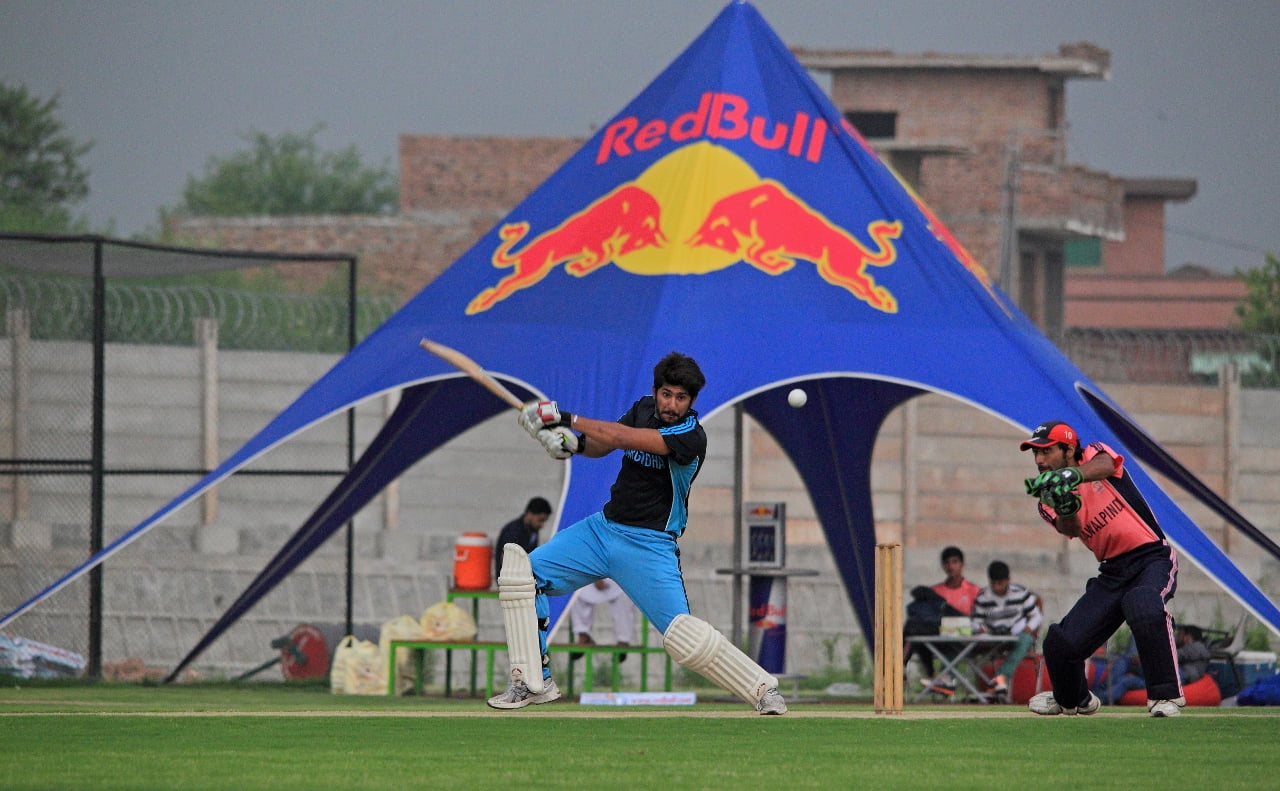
[[1166, 708], [1044, 703], [771, 702], [518, 695]]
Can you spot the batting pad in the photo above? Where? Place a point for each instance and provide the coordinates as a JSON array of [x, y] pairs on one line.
[[516, 592], [699, 646]]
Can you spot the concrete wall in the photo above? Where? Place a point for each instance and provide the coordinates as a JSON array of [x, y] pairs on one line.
[[943, 474]]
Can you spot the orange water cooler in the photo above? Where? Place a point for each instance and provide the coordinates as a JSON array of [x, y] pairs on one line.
[[473, 562]]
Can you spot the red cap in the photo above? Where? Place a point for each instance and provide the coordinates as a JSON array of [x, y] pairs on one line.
[[1051, 433]]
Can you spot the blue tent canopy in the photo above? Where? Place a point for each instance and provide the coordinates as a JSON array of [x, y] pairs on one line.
[[728, 212]]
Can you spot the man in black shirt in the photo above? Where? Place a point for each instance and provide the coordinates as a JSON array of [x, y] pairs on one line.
[[522, 530], [632, 540]]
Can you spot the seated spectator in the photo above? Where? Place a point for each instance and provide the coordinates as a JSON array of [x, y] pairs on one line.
[[1125, 673], [1113, 678], [958, 594], [1193, 654], [1005, 607]]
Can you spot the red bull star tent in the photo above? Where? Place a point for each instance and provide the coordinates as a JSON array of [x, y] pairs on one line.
[[730, 213]]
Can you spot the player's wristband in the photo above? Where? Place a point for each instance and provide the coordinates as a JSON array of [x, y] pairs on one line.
[[582, 442], [566, 419]]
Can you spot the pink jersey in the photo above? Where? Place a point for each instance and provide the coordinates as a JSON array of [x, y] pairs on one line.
[[961, 598], [1113, 516]]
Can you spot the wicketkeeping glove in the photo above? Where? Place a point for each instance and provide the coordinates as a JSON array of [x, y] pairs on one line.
[[537, 415], [1054, 482], [559, 442], [1063, 481], [1065, 504], [1035, 484]]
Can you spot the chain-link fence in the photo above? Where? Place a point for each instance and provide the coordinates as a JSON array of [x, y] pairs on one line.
[[59, 309], [1173, 356], [120, 385]]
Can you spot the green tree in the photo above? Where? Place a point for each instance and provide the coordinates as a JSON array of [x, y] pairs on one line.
[[1260, 310], [40, 173], [289, 175], [1260, 314]]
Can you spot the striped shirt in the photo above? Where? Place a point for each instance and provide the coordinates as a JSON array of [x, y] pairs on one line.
[[1013, 613]]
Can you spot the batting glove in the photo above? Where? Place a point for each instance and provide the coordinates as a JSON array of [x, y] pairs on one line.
[[537, 415], [559, 442]]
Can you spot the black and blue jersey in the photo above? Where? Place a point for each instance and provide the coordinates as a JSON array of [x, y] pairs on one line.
[[651, 490]]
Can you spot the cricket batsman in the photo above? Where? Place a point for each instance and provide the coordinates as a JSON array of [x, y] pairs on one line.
[[632, 541], [1085, 493]]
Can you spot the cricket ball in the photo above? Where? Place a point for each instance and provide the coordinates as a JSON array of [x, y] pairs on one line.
[[797, 398]]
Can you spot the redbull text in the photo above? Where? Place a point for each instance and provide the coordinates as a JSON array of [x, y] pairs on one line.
[[771, 229], [724, 116]]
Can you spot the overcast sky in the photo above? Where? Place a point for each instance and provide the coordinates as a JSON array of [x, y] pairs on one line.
[[162, 86]]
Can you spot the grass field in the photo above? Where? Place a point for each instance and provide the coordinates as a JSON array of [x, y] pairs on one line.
[[277, 736]]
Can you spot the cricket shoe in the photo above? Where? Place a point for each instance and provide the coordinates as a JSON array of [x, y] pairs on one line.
[[518, 695], [1166, 708], [1045, 704], [771, 702], [1000, 685]]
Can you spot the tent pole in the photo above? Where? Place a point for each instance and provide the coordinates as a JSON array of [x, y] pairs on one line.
[[97, 489], [737, 522], [351, 438]]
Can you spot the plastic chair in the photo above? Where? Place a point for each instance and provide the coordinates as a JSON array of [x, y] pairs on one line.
[[1226, 648]]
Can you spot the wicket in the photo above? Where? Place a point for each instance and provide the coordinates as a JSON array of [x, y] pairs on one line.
[[888, 629]]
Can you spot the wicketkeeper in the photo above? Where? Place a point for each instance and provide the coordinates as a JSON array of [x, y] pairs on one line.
[[1085, 493], [632, 541]]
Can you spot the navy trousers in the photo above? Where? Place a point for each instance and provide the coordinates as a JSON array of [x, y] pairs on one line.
[[1132, 588]]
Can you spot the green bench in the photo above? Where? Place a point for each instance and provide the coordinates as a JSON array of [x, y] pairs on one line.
[[420, 647]]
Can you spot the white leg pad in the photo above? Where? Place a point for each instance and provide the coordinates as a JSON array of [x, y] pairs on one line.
[[516, 592], [699, 646]]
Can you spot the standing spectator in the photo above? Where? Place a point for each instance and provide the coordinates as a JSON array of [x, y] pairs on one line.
[[621, 610], [522, 531], [1005, 607]]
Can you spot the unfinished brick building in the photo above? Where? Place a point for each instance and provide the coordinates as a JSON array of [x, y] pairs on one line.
[[982, 139]]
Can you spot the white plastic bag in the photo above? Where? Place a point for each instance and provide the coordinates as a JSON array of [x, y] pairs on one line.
[[404, 627], [358, 668], [447, 621]]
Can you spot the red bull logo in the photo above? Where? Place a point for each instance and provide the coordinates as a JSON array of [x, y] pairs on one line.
[[622, 222], [697, 210], [771, 229]]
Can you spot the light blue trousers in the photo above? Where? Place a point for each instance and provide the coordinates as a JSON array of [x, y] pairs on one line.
[[645, 564]]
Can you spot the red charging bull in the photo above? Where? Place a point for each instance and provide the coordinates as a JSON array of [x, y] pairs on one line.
[[623, 221], [772, 229]]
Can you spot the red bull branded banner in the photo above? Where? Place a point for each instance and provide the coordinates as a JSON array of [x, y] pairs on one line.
[[767, 612]]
